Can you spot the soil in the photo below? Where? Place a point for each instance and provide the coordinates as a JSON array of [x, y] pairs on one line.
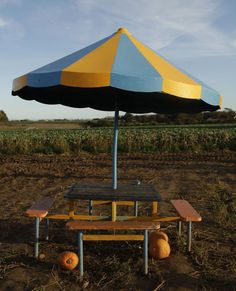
[[115, 265]]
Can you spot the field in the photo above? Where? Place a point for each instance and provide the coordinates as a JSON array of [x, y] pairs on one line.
[[206, 178], [151, 139]]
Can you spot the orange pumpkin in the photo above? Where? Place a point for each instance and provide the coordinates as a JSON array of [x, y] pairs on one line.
[[159, 249], [154, 235], [68, 260]]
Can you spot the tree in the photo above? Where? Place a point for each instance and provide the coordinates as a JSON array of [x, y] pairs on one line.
[[128, 117], [3, 116]]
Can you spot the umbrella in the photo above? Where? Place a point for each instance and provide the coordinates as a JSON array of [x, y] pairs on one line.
[[117, 73]]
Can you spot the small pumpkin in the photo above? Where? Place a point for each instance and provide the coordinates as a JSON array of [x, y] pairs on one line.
[[41, 257], [154, 235], [68, 260], [159, 249]]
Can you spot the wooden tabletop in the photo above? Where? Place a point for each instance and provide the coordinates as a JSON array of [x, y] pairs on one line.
[[142, 192]]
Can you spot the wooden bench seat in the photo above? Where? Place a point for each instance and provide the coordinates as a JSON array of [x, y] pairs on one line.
[[87, 226], [187, 214], [39, 210], [186, 210], [41, 207]]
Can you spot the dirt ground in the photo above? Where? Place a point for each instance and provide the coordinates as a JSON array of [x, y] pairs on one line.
[[118, 265]]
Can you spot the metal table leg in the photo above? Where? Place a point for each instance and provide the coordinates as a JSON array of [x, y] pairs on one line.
[[90, 207], [113, 210], [145, 251], [135, 208], [189, 242], [154, 207], [36, 247], [47, 228], [81, 253], [71, 208], [179, 228]]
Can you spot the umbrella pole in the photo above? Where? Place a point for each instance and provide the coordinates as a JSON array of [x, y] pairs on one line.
[[114, 150]]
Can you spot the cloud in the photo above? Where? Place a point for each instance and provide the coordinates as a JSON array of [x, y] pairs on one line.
[[178, 28], [164, 24], [2, 23], [10, 28], [9, 2], [10, 32]]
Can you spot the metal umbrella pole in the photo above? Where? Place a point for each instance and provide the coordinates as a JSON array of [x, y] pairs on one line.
[[114, 149]]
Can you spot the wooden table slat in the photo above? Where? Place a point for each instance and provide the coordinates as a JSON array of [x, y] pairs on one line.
[[106, 192], [110, 225]]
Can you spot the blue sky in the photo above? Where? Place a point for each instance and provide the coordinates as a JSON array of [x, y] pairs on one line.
[[196, 35]]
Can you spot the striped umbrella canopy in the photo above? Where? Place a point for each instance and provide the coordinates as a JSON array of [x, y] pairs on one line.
[[117, 73]]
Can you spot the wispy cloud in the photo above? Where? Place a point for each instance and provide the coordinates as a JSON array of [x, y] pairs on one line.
[[176, 28], [9, 2], [10, 28], [2, 23], [11, 31], [186, 25]]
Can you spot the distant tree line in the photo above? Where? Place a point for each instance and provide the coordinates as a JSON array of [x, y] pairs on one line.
[[3, 116], [225, 116]]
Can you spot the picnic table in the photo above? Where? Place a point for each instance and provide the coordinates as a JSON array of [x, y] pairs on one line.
[[126, 194], [103, 194]]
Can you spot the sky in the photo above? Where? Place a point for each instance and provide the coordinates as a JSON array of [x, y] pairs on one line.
[[198, 36]]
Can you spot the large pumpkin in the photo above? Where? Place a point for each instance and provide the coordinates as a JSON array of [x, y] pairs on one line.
[[68, 260], [159, 249], [154, 235]]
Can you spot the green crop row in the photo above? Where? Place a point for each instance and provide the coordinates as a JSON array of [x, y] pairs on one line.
[[130, 140]]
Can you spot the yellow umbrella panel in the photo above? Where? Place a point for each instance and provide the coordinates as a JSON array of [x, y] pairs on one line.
[[117, 71]]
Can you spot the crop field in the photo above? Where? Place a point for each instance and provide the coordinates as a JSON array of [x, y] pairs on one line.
[[170, 140], [193, 163]]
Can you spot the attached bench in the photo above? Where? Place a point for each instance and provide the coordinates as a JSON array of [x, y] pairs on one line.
[[80, 226], [39, 210], [187, 214]]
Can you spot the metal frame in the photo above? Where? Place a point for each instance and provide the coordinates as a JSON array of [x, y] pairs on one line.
[[81, 237], [145, 251], [114, 149], [36, 246], [189, 238], [37, 234], [189, 233]]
